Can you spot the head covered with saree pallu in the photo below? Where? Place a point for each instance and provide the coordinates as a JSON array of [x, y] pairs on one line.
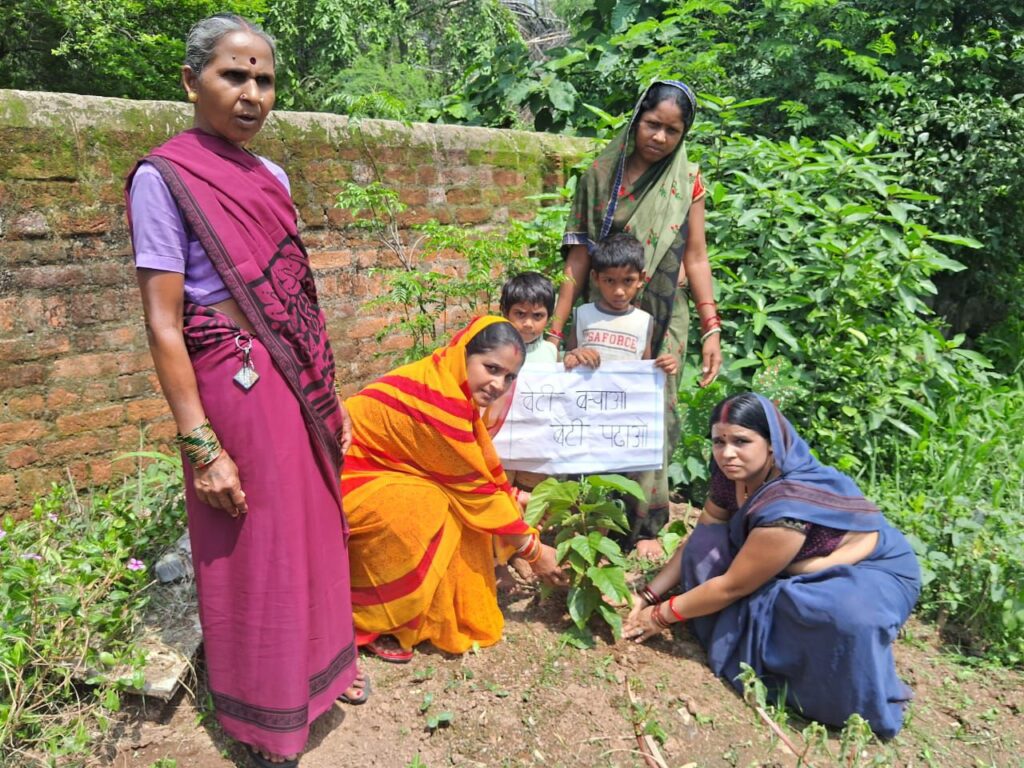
[[425, 493], [821, 639], [806, 490], [654, 211]]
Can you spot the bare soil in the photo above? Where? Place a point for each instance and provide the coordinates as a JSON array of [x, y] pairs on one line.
[[532, 701]]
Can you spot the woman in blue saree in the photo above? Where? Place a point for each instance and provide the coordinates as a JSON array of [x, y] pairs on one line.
[[791, 571]]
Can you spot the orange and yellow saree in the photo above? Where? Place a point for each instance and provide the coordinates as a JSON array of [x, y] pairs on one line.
[[425, 494]]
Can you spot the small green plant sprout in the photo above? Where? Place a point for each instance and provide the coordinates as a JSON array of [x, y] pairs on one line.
[[854, 738], [428, 699], [496, 689], [436, 720], [582, 513], [416, 762], [645, 721], [439, 720], [815, 737], [421, 675], [754, 691], [672, 535]]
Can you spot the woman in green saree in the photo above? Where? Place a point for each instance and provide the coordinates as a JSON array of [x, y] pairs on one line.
[[643, 184]]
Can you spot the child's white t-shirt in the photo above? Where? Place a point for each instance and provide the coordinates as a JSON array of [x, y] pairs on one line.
[[617, 336]]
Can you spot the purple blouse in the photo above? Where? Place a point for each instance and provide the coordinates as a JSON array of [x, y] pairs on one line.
[[821, 540], [163, 240]]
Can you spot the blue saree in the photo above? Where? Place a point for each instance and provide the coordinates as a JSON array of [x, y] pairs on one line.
[[823, 638]]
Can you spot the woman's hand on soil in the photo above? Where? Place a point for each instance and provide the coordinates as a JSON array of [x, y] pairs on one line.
[[711, 360], [547, 567], [642, 627], [523, 569], [634, 614], [218, 485]]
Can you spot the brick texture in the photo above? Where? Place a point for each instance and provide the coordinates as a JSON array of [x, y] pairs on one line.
[[77, 387]]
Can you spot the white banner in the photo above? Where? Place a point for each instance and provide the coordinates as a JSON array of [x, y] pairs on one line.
[[585, 421]]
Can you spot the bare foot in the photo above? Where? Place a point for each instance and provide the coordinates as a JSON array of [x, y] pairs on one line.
[[273, 757], [650, 549]]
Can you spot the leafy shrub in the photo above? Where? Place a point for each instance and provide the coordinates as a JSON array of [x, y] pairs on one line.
[[73, 585], [957, 490], [819, 258], [582, 513]]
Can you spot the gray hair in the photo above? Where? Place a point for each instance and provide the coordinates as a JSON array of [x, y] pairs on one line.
[[203, 38]]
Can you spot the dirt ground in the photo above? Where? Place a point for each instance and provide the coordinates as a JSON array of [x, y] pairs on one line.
[[532, 701]]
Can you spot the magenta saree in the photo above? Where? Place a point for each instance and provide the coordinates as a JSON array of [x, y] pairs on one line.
[[274, 595]]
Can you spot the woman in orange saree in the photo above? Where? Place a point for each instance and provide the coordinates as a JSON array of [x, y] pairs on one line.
[[427, 500]]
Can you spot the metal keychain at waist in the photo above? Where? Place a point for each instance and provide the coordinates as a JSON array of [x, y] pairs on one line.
[[246, 377]]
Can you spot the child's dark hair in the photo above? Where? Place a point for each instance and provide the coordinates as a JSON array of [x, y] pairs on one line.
[[493, 336], [528, 288], [621, 250], [743, 410]]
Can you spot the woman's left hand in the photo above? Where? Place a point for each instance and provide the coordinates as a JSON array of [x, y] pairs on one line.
[[547, 568], [711, 359], [346, 428], [640, 626], [668, 362]]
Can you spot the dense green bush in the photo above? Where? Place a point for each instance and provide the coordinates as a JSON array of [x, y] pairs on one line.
[[820, 258], [957, 490], [74, 583]]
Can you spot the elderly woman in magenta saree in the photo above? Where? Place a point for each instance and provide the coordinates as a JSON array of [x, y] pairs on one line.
[[804, 581], [240, 346]]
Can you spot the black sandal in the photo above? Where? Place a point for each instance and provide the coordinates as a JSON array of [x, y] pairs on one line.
[[367, 687]]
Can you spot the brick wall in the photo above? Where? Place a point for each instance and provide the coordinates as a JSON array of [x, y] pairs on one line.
[[76, 381]]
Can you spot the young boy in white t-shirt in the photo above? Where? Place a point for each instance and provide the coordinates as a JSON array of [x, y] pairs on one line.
[[611, 328]]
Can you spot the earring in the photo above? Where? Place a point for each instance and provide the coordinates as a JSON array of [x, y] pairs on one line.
[[193, 97]]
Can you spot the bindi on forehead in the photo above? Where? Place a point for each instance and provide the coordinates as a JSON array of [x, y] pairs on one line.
[[252, 60]]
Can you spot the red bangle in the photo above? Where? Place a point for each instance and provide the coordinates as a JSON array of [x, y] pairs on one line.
[[658, 618], [556, 334], [707, 323], [679, 617], [706, 304], [534, 555]]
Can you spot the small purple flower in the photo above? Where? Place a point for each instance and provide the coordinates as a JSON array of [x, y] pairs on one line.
[[135, 565], [3, 534], [31, 556], [52, 517]]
